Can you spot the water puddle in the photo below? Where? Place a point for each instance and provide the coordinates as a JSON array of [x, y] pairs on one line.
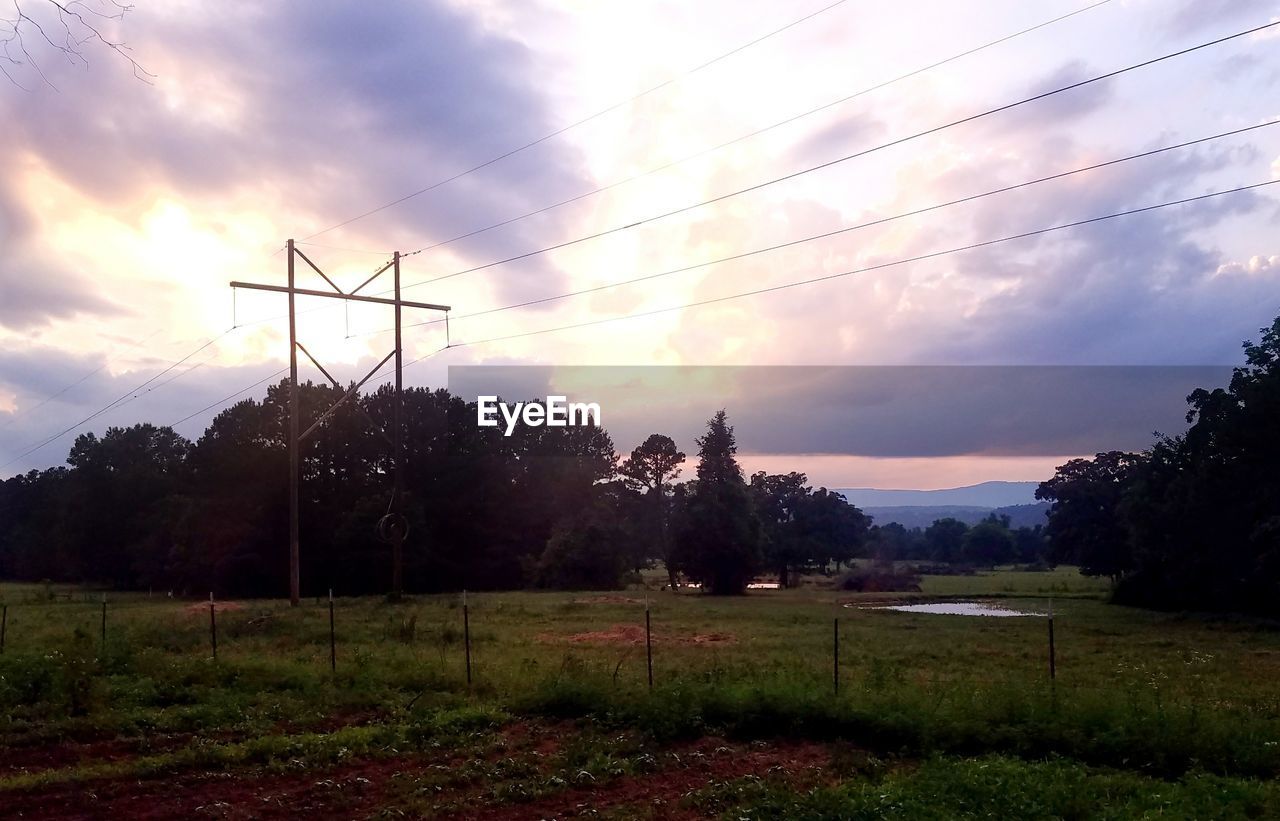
[[950, 608]]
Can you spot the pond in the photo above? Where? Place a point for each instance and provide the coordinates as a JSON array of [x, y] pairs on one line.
[[951, 608]]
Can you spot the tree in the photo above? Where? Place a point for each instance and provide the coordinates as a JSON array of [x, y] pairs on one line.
[[718, 541], [1202, 510], [117, 490], [989, 542], [650, 469], [1030, 545], [778, 499], [892, 541], [944, 539], [586, 554], [1085, 527], [835, 530]]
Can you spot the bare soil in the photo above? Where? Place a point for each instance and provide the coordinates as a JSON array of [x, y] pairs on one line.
[[361, 788]]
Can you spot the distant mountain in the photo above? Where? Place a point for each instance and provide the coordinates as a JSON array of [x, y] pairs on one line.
[[986, 495], [910, 516]]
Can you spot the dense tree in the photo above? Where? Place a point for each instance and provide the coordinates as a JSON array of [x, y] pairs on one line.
[[1202, 512], [1030, 545], [778, 499], [117, 492], [1085, 526], [989, 542], [590, 550], [944, 540], [717, 542], [141, 507], [891, 542]]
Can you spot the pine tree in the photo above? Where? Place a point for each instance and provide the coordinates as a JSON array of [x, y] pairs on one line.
[[718, 541]]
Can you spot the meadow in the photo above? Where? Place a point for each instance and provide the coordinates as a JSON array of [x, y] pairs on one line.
[[1149, 715]]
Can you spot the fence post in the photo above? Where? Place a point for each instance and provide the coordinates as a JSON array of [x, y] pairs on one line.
[[466, 635], [1053, 666], [4, 623], [835, 655], [648, 641], [213, 626], [104, 621], [333, 638]]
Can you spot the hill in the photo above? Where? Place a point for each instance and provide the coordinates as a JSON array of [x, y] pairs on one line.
[[985, 495], [910, 516]]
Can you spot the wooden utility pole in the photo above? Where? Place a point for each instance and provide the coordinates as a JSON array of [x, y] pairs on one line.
[[295, 469], [393, 527]]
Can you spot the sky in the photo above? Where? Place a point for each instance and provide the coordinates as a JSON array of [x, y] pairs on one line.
[[129, 200]]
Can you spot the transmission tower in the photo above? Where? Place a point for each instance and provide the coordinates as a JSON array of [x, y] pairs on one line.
[[394, 526]]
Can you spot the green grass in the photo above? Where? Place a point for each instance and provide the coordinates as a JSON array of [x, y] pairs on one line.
[[1140, 696], [995, 787]]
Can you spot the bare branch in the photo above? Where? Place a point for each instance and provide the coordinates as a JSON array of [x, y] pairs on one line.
[[80, 21]]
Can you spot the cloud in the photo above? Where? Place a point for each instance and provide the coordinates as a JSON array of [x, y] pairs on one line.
[[1138, 289], [330, 112], [1194, 15], [37, 286], [1257, 264]]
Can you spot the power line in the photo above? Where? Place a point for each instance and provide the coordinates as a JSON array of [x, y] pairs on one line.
[[695, 155], [582, 121], [784, 286], [845, 230], [76, 383], [846, 158], [787, 121], [123, 399], [828, 277], [781, 287], [228, 398]]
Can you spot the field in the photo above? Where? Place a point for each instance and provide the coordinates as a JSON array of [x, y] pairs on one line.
[[1150, 715]]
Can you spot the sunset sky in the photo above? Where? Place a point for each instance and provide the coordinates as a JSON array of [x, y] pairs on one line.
[[127, 204]]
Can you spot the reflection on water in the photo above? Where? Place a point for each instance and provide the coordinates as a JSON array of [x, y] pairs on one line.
[[950, 608]]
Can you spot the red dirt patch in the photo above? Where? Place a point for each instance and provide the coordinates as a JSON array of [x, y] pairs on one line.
[[634, 634]]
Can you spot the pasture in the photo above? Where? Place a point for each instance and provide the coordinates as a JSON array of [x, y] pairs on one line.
[[1150, 714]]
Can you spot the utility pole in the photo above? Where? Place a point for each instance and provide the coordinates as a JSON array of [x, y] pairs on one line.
[[295, 469], [393, 527]]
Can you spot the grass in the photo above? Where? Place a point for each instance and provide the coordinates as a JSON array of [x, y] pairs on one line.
[[995, 787], [1147, 707]]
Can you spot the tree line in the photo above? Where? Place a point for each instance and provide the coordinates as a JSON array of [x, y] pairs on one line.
[[990, 542], [141, 507], [1193, 522]]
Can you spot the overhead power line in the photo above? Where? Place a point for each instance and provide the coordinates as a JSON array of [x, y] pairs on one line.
[[778, 124], [868, 268], [583, 121], [848, 229], [862, 153], [23, 414], [793, 118], [794, 284], [122, 399], [224, 400]]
